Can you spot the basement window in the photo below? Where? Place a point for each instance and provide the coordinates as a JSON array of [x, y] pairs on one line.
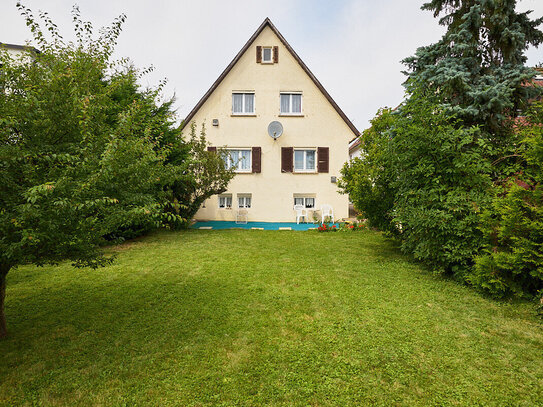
[[225, 201], [307, 202], [244, 200]]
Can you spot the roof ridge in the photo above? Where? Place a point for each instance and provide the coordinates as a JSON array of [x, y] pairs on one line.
[[268, 22]]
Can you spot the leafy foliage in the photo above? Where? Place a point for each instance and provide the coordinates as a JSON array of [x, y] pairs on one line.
[[81, 156], [206, 175], [512, 262], [368, 179], [458, 178], [442, 182]]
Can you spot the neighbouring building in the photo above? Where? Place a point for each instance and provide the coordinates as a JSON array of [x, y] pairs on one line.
[[354, 148], [16, 50], [283, 132]]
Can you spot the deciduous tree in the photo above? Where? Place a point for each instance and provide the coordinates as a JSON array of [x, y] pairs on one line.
[[80, 150]]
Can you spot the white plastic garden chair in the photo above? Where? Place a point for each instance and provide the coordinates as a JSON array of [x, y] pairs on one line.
[[327, 211], [301, 212], [242, 216]]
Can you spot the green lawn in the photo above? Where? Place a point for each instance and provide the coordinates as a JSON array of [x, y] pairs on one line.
[[230, 318]]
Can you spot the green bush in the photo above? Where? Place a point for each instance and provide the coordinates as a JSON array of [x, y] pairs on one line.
[[441, 181], [512, 261], [368, 180]]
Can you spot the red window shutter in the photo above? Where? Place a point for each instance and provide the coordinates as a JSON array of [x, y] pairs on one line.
[[275, 54], [212, 149], [287, 158], [323, 156], [258, 54], [257, 159]]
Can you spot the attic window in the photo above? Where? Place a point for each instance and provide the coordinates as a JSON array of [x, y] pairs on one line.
[[267, 55]]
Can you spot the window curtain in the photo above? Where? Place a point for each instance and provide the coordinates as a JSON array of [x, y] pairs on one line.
[[245, 160], [298, 159], [249, 103], [296, 104], [234, 158], [285, 102], [244, 202], [310, 159], [237, 103]]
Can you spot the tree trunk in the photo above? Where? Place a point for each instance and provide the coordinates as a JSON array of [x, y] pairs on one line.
[[3, 326]]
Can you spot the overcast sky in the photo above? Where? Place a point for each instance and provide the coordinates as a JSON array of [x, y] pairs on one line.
[[354, 47]]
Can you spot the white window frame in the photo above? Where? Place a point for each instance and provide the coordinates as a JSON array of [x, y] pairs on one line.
[[243, 110], [223, 201], [264, 61], [305, 199], [247, 200], [229, 162], [290, 112], [304, 169]]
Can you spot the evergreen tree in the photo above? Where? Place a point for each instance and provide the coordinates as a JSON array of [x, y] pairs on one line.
[[478, 68]]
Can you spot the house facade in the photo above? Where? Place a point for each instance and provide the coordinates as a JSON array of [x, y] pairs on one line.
[[284, 134]]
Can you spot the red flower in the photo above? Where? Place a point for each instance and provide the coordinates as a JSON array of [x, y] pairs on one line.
[[351, 226]]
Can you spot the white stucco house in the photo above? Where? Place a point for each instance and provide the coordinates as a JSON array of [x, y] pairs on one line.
[[285, 135]]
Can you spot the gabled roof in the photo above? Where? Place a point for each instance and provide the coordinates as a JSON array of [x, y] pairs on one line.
[[267, 23]]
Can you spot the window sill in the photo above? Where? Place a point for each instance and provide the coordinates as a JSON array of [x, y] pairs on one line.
[[243, 115], [304, 172], [243, 172], [290, 115]]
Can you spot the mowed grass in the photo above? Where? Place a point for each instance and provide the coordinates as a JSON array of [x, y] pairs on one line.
[[250, 318]]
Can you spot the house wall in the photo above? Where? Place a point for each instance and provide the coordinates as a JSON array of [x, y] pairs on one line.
[[17, 52], [321, 126], [355, 153]]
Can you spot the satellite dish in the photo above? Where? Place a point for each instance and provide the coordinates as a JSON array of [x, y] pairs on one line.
[[275, 129]]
